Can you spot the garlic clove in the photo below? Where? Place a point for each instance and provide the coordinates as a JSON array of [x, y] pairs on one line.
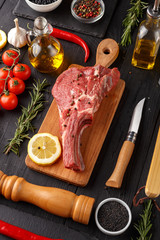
[[17, 35]]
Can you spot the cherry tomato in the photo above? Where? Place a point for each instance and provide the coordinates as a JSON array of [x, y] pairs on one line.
[[4, 73], [9, 56], [22, 71], [2, 84], [16, 85], [9, 101]]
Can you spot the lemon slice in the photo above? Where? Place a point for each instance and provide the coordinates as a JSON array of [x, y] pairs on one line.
[[44, 149], [3, 39]]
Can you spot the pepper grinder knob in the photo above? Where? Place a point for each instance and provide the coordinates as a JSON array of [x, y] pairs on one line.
[[54, 200]]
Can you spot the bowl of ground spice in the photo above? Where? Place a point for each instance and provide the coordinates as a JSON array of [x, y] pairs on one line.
[[113, 216], [87, 11], [43, 5]]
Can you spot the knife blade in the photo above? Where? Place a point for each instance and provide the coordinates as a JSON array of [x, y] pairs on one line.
[[125, 154]]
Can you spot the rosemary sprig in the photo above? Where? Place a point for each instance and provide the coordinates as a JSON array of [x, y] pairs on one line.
[[144, 224], [28, 114], [131, 20]]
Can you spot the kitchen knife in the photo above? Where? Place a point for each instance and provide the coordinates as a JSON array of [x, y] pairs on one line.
[[127, 148]]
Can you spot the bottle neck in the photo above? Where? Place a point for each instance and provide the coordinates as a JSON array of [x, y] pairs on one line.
[[151, 20], [41, 26], [153, 13]]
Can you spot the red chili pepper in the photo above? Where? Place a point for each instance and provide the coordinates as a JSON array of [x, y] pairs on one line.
[[57, 33], [19, 233]]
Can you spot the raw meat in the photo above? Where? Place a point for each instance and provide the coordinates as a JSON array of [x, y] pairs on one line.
[[78, 93]]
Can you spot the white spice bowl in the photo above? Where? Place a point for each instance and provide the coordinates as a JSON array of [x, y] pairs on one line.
[[44, 8], [113, 233]]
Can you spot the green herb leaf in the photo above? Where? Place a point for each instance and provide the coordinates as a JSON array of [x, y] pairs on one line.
[[30, 112], [131, 20], [144, 225]]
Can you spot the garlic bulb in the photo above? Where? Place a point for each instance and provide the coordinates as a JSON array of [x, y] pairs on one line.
[[17, 35]]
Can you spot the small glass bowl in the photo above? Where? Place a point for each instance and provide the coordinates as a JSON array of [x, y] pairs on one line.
[[88, 20], [113, 233]]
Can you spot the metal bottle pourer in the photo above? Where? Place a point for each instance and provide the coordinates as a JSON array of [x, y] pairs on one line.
[[154, 11]]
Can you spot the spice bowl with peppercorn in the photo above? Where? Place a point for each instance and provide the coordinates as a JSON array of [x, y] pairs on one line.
[[43, 5], [87, 11], [113, 216]]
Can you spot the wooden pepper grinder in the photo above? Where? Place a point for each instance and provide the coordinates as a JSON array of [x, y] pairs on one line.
[[57, 201]]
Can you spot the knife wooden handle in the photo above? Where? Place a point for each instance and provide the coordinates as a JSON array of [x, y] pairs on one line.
[[152, 188], [57, 201], [125, 154]]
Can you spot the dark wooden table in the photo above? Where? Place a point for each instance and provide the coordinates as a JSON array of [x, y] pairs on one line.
[[139, 83]]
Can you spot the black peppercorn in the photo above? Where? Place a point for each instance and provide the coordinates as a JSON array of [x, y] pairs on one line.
[[113, 216], [72, 103], [43, 2]]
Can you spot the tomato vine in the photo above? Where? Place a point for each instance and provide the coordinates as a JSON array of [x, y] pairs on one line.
[[9, 68]]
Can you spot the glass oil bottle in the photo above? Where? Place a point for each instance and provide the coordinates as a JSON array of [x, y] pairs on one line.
[[45, 52], [148, 39]]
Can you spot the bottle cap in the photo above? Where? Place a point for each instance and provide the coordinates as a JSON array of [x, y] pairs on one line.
[[41, 26]]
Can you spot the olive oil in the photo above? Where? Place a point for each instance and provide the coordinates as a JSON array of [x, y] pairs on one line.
[[148, 39], [144, 54], [46, 54]]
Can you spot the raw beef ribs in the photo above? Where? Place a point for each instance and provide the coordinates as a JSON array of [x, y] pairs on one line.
[[78, 93]]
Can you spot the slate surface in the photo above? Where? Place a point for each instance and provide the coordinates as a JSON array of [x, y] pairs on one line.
[[1, 3], [139, 83], [62, 17]]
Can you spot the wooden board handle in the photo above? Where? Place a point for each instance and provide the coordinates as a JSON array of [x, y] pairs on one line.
[[123, 159], [57, 201], [152, 188], [107, 52]]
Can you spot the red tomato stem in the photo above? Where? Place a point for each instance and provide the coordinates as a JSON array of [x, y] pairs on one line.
[[10, 68]]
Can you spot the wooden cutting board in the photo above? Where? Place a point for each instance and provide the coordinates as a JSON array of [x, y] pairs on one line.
[[93, 137]]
